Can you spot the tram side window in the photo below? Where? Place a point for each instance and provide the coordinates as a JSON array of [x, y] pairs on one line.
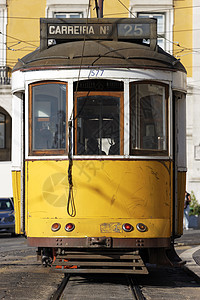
[[48, 130], [148, 118], [98, 124]]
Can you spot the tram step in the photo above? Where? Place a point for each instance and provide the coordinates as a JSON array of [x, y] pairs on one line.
[[100, 262]]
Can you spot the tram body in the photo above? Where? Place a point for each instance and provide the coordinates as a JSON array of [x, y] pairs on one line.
[[99, 158]]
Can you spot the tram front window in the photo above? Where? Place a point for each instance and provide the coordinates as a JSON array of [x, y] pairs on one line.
[[48, 118], [98, 126], [149, 118]]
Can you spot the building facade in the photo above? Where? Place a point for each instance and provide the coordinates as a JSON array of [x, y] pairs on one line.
[[19, 35]]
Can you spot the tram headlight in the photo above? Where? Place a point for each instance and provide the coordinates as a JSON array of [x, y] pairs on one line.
[[141, 227], [69, 227], [55, 227], [127, 227]]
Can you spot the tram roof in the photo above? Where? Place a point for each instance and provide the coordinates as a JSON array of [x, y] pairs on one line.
[[99, 53]]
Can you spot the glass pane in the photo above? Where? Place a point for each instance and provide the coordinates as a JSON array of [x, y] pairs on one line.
[[2, 130], [148, 117], [2, 118], [161, 42], [98, 125], [160, 20], [60, 15], [49, 116], [6, 204], [74, 15], [67, 15], [2, 135]]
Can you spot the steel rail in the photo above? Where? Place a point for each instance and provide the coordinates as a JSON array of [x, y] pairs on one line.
[[137, 293], [57, 294]]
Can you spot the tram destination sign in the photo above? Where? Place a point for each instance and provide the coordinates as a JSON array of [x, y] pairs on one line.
[[93, 30], [112, 29]]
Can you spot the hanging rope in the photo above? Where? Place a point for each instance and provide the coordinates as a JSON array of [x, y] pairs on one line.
[[71, 209]]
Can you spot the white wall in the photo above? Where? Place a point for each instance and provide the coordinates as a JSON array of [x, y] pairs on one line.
[[193, 111]]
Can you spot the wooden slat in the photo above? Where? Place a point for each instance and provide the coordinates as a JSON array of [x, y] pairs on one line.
[[104, 252], [99, 263], [118, 271], [96, 256]]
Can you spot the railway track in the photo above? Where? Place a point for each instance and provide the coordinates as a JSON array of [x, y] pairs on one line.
[[22, 275], [101, 286]]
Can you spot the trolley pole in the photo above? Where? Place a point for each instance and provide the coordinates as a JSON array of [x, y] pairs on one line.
[[99, 8]]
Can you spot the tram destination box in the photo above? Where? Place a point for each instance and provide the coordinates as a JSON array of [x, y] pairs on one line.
[[64, 30]]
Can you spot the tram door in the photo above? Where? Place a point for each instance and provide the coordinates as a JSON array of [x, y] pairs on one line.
[[179, 160]]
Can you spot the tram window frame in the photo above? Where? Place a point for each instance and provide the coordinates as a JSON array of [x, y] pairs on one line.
[[50, 151], [149, 151], [120, 95]]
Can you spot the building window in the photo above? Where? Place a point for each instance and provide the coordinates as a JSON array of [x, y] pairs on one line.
[[68, 15], [149, 128], [163, 12], [5, 135], [2, 131], [48, 110], [161, 28], [67, 9]]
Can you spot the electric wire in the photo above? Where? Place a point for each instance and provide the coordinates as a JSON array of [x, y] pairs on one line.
[[146, 11], [11, 37], [156, 10], [161, 36], [126, 8]]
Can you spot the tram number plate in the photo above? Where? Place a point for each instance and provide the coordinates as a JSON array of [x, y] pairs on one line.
[[134, 30], [111, 227]]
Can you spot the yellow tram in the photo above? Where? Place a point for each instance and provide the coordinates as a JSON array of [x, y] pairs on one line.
[[99, 156]]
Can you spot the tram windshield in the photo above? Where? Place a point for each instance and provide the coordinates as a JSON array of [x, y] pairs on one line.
[[48, 117], [148, 118], [98, 120], [99, 123]]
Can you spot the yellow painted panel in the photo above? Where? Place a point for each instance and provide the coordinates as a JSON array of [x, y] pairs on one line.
[[16, 181], [23, 29], [112, 9], [98, 227], [102, 190]]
